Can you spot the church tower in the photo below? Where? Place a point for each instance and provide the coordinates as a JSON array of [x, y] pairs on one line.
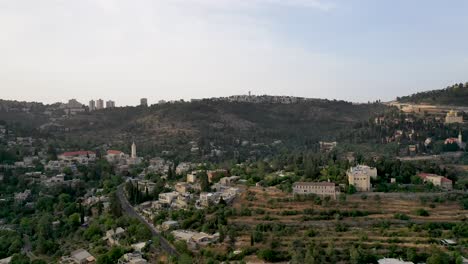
[[134, 153]]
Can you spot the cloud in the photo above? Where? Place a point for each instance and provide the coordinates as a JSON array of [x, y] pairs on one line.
[[242, 4], [124, 50]]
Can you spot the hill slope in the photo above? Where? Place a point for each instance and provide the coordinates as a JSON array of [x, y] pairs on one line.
[[211, 125], [453, 95]]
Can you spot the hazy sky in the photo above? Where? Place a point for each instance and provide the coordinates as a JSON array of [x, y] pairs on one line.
[[358, 50]]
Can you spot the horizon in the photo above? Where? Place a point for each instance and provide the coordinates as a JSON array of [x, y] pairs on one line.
[[356, 50]]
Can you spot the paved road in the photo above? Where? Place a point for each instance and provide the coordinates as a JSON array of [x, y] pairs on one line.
[[129, 210]]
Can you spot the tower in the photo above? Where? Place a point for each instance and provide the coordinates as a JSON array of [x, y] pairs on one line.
[[143, 102], [92, 105], [134, 153]]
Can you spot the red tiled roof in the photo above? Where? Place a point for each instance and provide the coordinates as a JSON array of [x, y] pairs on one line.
[[115, 152], [446, 180], [78, 153], [425, 175], [451, 140]]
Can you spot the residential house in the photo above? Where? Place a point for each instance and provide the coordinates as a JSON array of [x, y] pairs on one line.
[[132, 258], [213, 174], [112, 236], [115, 156], [327, 146], [168, 225], [168, 198], [182, 187], [82, 256], [437, 180], [229, 180]]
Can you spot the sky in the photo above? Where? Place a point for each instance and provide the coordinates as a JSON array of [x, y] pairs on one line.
[[123, 50]]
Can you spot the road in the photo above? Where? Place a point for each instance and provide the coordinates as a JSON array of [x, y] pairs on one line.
[[129, 210]]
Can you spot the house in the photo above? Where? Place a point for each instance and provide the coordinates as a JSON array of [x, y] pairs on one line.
[[168, 225], [393, 261], [458, 141], [453, 117], [167, 198], [327, 146], [360, 177], [203, 239], [229, 180], [212, 174], [319, 188], [437, 180], [182, 187], [55, 180], [195, 238], [112, 236], [183, 167], [448, 242], [145, 186], [192, 177], [132, 258], [138, 247], [82, 256], [208, 198], [22, 196], [78, 156], [114, 156]]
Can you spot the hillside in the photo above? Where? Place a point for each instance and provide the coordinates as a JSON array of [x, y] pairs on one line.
[[211, 125], [453, 95]]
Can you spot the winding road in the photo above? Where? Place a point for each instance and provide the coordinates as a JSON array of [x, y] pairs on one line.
[[129, 210]]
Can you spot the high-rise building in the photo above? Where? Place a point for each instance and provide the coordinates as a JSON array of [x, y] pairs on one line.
[[134, 153], [110, 104], [143, 102], [92, 105], [99, 104]]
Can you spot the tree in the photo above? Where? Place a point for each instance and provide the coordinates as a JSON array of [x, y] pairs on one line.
[[204, 183], [115, 207], [20, 259]]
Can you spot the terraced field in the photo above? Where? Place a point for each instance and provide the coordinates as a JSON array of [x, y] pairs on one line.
[[386, 224]]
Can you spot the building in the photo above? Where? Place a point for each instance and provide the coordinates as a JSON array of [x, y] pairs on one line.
[[360, 177], [73, 107], [99, 104], [92, 105], [182, 187], [458, 141], [143, 102], [167, 198], [82, 256], [114, 156], [145, 186], [79, 156], [132, 258], [110, 104], [213, 174], [453, 118], [437, 180], [393, 261], [192, 177], [327, 146], [134, 151], [168, 225], [319, 188]]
